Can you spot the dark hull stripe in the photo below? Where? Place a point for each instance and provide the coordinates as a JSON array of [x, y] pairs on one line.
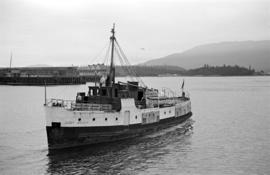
[[65, 137]]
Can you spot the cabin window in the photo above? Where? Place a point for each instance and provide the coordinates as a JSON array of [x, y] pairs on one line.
[[144, 120], [93, 119], [169, 111], [94, 92], [79, 119], [116, 118], [165, 112], [116, 92], [140, 95], [136, 117], [104, 92], [106, 119], [56, 124]]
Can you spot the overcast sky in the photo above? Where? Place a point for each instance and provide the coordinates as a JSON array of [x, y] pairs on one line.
[[66, 32]]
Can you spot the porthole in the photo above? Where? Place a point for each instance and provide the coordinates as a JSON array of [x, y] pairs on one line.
[[106, 119], [93, 119], [136, 117], [79, 119], [116, 118], [165, 112]]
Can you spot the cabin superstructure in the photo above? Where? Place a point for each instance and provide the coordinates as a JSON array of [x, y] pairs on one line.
[[112, 95]]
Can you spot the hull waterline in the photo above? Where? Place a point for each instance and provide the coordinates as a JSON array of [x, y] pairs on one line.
[[68, 137]]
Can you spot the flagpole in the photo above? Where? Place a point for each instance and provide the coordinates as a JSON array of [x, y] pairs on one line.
[[182, 87], [45, 93]]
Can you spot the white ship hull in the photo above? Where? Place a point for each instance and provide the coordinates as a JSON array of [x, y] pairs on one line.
[[70, 128]]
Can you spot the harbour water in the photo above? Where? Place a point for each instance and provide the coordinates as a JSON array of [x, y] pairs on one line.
[[227, 134]]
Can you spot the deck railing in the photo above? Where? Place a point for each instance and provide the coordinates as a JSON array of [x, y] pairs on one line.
[[72, 105], [60, 103], [91, 107]]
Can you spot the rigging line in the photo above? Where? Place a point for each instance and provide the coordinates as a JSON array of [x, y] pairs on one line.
[[127, 61], [129, 71], [123, 67], [107, 53], [95, 58], [136, 75], [107, 56], [121, 61], [133, 73]]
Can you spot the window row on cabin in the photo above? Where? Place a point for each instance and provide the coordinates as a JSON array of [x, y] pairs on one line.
[[169, 111], [106, 119]]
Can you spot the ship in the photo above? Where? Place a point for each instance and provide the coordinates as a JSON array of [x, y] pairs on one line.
[[112, 111]]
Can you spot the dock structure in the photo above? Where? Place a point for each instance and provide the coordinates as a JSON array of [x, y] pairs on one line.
[[51, 75]]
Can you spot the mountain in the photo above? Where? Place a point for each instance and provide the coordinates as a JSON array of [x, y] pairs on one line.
[[149, 70], [207, 70], [244, 53]]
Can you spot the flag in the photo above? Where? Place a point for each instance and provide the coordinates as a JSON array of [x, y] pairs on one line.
[[183, 83]]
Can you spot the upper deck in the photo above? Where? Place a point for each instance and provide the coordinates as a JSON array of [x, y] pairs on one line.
[[112, 95]]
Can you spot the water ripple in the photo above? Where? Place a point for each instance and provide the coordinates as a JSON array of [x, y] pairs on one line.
[[122, 157]]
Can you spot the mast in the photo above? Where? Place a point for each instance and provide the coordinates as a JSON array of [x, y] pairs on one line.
[[112, 68]]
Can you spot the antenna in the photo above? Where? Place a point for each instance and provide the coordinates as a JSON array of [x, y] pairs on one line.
[[10, 61]]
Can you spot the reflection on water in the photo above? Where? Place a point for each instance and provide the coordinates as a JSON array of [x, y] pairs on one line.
[[124, 157]]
